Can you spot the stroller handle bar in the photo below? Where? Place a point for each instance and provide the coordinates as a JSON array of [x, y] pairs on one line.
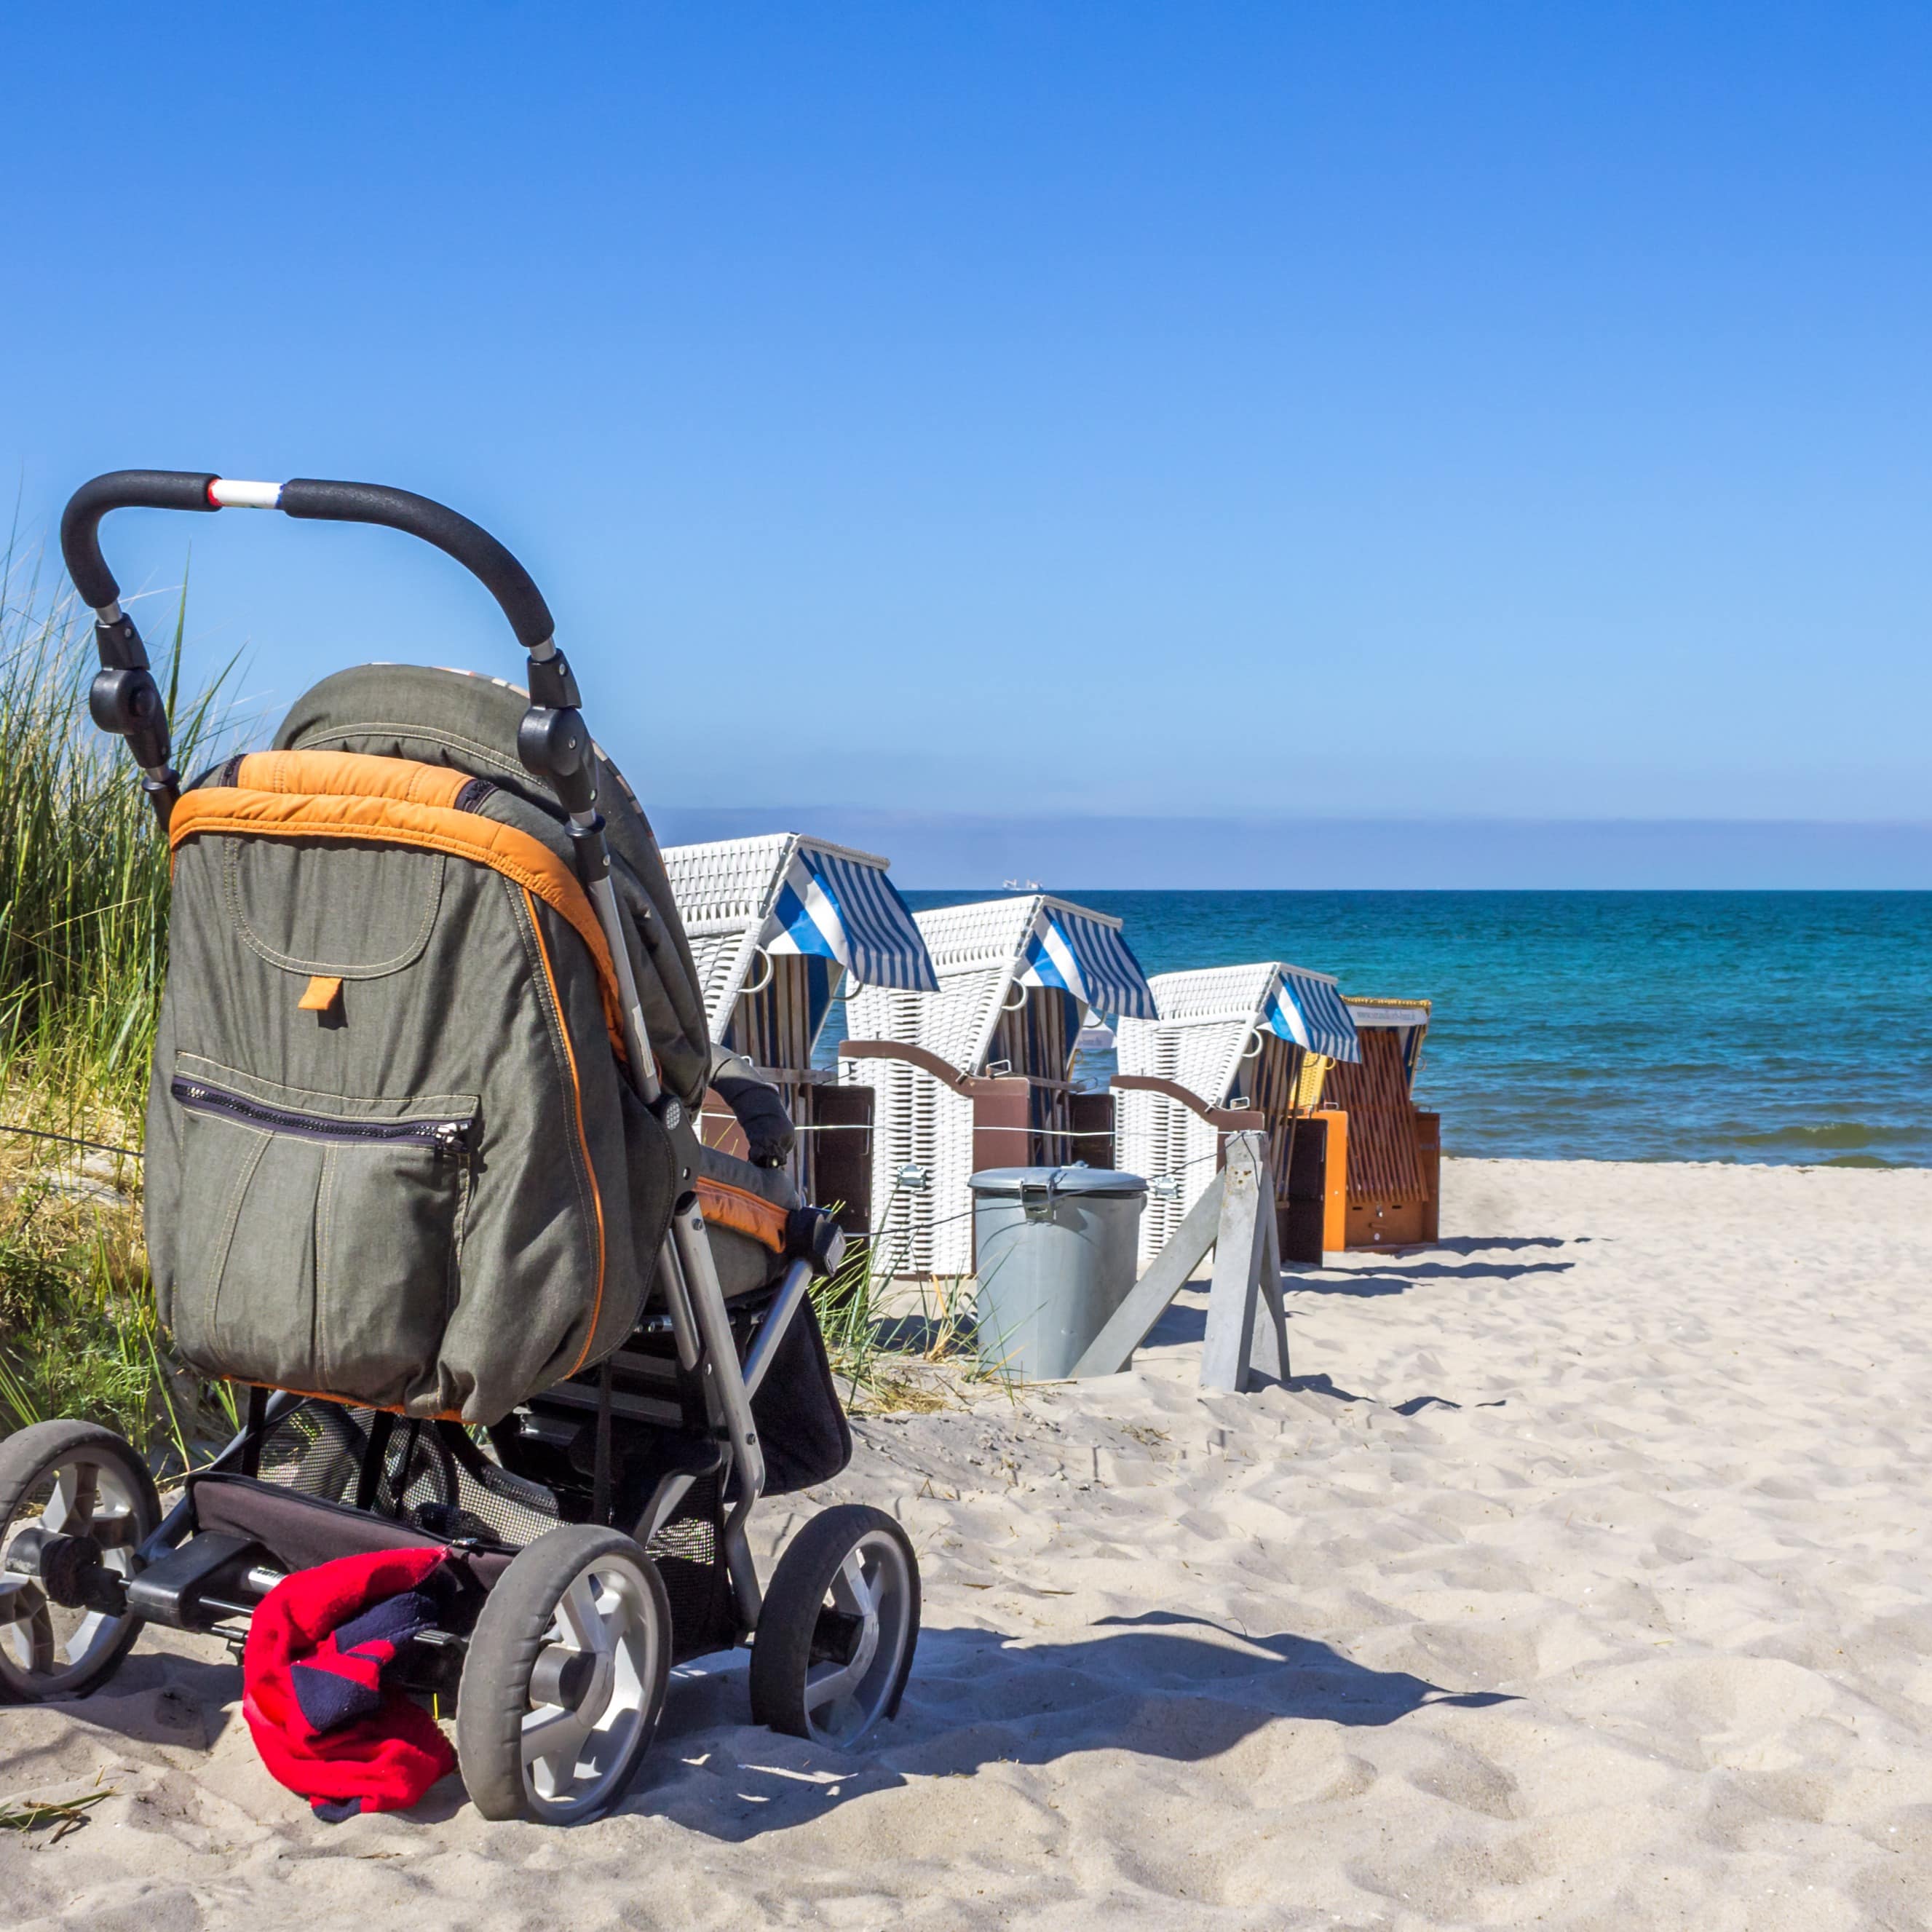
[[473, 547], [552, 741]]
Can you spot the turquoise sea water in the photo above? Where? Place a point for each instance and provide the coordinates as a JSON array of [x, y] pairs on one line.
[[1782, 1027]]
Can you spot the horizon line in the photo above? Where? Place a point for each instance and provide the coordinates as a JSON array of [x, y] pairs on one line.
[[932, 850], [784, 815]]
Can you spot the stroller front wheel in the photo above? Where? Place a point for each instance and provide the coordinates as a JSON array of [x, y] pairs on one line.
[[67, 1485], [834, 1641], [565, 1680]]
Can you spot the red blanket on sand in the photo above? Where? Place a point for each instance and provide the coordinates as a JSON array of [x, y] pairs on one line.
[[312, 1683]]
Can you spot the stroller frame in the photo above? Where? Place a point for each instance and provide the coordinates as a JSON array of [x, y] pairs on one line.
[[840, 1618]]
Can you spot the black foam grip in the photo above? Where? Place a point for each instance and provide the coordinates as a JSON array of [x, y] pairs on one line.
[[761, 1113], [120, 490], [473, 547]]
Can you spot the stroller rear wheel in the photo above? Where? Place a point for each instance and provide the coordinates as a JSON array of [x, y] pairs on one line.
[[834, 1640], [63, 1486], [564, 1681]]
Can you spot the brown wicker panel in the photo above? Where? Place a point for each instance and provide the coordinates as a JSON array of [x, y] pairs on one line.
[[1268, 1083], [1092, 1118], [1032, 1039], [1050, 1116], [772, 1027], [1385, 1157]]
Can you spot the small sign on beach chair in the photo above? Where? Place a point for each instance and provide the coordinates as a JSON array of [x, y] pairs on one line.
[[1247, 1328]]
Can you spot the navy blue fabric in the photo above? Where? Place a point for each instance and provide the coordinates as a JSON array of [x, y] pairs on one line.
[[342, 1680]]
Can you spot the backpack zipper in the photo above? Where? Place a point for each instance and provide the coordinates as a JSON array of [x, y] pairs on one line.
[[440, 1137]]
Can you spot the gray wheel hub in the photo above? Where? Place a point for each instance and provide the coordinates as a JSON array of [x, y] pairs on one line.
[[590, 1689], [44, 1642]]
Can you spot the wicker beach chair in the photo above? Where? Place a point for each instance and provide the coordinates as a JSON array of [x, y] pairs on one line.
[[976, 1074], [1236, 1048], [779, 925]]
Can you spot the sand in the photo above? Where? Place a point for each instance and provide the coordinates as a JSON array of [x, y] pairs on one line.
[[1578, 1579]]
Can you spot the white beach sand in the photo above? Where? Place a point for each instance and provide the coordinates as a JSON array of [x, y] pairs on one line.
[[1579, 1580]]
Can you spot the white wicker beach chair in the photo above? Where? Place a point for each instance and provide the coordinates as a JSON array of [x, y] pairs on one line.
[[1234, 1047], [778, 924], [975, 1075]]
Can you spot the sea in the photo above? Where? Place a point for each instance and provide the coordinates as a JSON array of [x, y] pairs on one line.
[[1788, 1027]]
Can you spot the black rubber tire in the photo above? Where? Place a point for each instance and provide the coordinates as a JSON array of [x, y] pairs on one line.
[[493, 1693], [24, 1458], [781, 1645]]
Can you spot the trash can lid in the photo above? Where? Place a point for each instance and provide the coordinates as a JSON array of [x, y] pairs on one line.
[[1061, 1180]]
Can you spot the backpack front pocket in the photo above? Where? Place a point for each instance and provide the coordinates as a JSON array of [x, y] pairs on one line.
[[320, 1233]]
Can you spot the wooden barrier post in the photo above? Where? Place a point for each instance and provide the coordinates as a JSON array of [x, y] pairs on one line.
[[1235, 1218], [1247, 1275]]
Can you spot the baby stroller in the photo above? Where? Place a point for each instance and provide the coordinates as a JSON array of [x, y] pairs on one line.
[[422, 1179]]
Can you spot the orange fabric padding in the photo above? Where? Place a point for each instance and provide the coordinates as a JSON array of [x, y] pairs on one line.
[[349, 774], [379, 818], [743, 1212]]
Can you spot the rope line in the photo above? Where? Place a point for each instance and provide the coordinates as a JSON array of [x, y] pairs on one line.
[[867, 1127], [70, 1140], [828, 1127]]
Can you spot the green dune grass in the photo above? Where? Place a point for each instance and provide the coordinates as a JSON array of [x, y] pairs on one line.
[[83, 928]]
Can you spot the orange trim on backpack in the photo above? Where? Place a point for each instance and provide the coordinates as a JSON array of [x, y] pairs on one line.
[[743, 1212], [577, 1100], [352, 1402], [350, 774], [377, 816]]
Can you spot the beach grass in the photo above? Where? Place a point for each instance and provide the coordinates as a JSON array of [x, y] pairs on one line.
[[83, 931], [83, 876], [896, 1350], [61, 1814]]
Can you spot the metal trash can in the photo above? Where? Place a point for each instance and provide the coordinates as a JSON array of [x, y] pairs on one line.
[[1056, 1248]]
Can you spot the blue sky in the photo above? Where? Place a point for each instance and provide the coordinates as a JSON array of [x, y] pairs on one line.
[[1453, 411]]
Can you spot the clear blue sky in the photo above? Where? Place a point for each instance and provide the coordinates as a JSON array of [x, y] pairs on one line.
[[1449, 409]]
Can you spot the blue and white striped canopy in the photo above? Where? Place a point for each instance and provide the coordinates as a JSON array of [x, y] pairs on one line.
[[1087, 958], [833, 907], [1307, 1008]]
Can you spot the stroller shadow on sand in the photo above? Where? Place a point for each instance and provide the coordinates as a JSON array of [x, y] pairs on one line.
[[1161, 1685]]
